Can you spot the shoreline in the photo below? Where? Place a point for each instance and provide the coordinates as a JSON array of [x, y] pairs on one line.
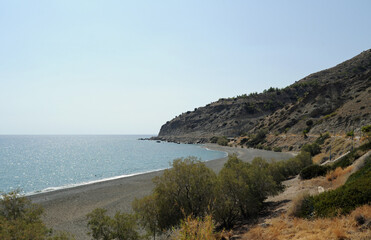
[[65, 209], [73, 185]]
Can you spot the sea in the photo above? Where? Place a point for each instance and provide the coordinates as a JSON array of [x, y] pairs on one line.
[[35, 164]]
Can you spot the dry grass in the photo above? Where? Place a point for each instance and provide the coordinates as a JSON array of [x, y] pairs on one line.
[[353, 226], [320, 158], [296, 204], [338, 176], [198, 229]]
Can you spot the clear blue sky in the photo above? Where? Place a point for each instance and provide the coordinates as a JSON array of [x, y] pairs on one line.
[[127, 67]]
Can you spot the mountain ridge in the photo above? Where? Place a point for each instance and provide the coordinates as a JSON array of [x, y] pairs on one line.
[[335, 99]]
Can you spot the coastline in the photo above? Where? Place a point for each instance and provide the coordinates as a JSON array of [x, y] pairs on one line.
[[66, 209]]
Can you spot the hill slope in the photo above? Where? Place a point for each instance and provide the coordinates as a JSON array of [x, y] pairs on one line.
[[336, 99]]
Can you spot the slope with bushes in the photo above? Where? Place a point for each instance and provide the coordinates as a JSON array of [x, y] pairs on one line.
[[335, 99]]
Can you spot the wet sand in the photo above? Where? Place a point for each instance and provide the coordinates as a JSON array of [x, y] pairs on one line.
[[66, 209]]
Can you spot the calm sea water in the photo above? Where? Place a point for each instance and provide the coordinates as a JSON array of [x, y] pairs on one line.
[[43, 163]]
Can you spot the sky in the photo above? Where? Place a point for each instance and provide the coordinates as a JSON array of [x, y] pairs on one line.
[[127, 67]]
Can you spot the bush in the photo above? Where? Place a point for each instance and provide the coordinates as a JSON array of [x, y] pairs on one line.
[[355, 192], [366, 130], [313, 171], [348, 159], [196, 229], [284, 169], [350, 134], [241, 190], [148, 213], [186, 189], [214, 139], [257, 139], [313, 148], [222, 141], [189, 188], [277, 149], [321, 139], [123, 226], [20, 219], [298, 207]]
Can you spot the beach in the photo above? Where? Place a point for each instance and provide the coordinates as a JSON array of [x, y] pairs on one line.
[[66, 209]]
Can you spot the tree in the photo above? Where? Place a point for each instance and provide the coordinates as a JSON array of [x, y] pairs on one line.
[[122, 226], [241, 190], [125, 227], [313, 149], [186, 189], [222, 141], [99, 224], [20, 219], [148, 213]]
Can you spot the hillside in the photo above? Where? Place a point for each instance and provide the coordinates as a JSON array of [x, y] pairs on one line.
[[336, 100]]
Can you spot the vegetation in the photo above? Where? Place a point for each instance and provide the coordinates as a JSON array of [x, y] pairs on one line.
[[350, 133], [352, 156], [256, 139], [277, 149], [190, 190], [21, 220], [366, 130], [313, 171], [187, 189], [197, 229], [241, 190], [313, 148], [353, 226], [122, 226], [321, 139], [221, 140], [355, 192]]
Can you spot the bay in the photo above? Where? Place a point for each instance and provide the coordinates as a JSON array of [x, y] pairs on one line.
[[44, 163]]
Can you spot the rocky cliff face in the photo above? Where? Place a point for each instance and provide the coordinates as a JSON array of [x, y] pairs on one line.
[[337, 99]]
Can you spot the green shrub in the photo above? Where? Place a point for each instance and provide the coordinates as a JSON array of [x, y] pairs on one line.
[[309, 123], [222, 141], [321, 139], [241, 190], [277, 149], [148, 213], [313, 148], [350, 133], [313, 171], [305, 210], [282, 170], [366, 130], [20, 219], [122, 226], [330, 115], [257, 139], [183, 190], [348, 159], [214, 139], [355, 192], [267, 148]]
